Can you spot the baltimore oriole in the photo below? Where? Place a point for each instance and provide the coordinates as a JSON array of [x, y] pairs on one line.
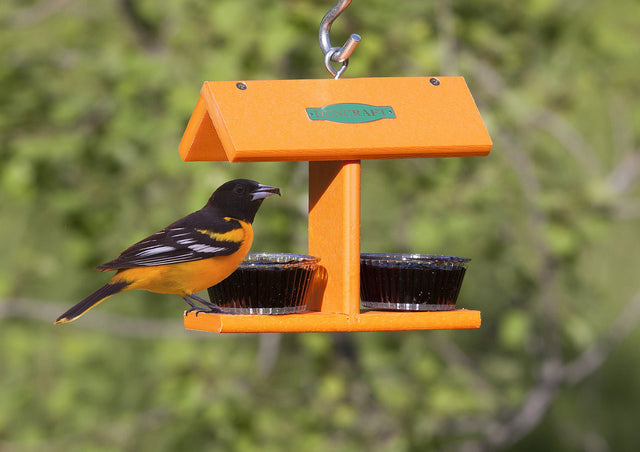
[[195, 252]]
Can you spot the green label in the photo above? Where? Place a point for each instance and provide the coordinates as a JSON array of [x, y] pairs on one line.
[[350, 113]]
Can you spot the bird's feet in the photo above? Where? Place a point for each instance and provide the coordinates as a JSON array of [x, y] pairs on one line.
[[207, 307], [197, 311]]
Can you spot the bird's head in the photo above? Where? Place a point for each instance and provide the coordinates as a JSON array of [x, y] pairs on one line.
[[241, 198]]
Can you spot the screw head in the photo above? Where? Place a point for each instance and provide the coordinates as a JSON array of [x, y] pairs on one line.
[[434, 81], [241, 86]]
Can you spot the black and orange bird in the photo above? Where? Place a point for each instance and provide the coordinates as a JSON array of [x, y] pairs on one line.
[[190, 255]]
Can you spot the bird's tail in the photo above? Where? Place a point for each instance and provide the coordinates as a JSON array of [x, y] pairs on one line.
[[92, 300]]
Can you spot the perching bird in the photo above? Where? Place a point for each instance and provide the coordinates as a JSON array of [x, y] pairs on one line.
[[190, 255]]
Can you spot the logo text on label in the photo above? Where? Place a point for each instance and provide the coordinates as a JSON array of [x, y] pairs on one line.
[[350, 113]]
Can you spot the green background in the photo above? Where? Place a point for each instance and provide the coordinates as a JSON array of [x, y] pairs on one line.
[[94, 97]]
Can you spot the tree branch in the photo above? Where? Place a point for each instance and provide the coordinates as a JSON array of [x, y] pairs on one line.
[[554, 374], [625, 173], [592, 358]]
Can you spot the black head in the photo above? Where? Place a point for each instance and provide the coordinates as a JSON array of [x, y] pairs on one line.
[[240, 198]]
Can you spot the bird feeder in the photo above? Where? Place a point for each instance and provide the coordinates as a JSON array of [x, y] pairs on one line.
[[334, 124]]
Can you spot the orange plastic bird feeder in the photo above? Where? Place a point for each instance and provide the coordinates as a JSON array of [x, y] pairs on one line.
[[334, 124]]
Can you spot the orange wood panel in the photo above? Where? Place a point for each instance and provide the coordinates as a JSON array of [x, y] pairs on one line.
[[323, 322], [334, 233], [269, 121], [200, 140]]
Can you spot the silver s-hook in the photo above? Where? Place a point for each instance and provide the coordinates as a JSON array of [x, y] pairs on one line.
[[337, 54]]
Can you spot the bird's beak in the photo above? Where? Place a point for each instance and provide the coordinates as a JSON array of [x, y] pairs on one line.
[[264, 191]]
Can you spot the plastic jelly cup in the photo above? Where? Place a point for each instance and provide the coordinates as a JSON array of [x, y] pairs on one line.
[[267, 283], [411, 282]]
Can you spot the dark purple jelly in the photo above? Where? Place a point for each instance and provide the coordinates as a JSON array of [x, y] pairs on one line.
[[411, 282], [267, 284]]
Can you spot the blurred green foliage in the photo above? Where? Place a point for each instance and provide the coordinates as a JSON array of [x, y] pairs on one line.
[[94, 97]]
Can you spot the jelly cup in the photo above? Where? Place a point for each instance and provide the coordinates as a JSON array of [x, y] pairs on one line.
[[267, 283], [411, 282]]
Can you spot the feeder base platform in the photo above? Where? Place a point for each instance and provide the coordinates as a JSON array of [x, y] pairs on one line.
[[328, 322]]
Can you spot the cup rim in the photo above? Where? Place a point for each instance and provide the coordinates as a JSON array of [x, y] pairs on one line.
[[415, 258], [271, 259]]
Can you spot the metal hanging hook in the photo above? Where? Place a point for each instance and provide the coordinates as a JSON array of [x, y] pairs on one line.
[[337, 54]]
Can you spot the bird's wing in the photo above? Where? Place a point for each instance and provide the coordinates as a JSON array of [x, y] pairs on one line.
[[181, 242]]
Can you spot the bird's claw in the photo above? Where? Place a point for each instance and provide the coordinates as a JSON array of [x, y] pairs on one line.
[[197, 311]]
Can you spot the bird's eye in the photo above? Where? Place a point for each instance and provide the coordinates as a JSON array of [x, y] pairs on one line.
[[239, 189]]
